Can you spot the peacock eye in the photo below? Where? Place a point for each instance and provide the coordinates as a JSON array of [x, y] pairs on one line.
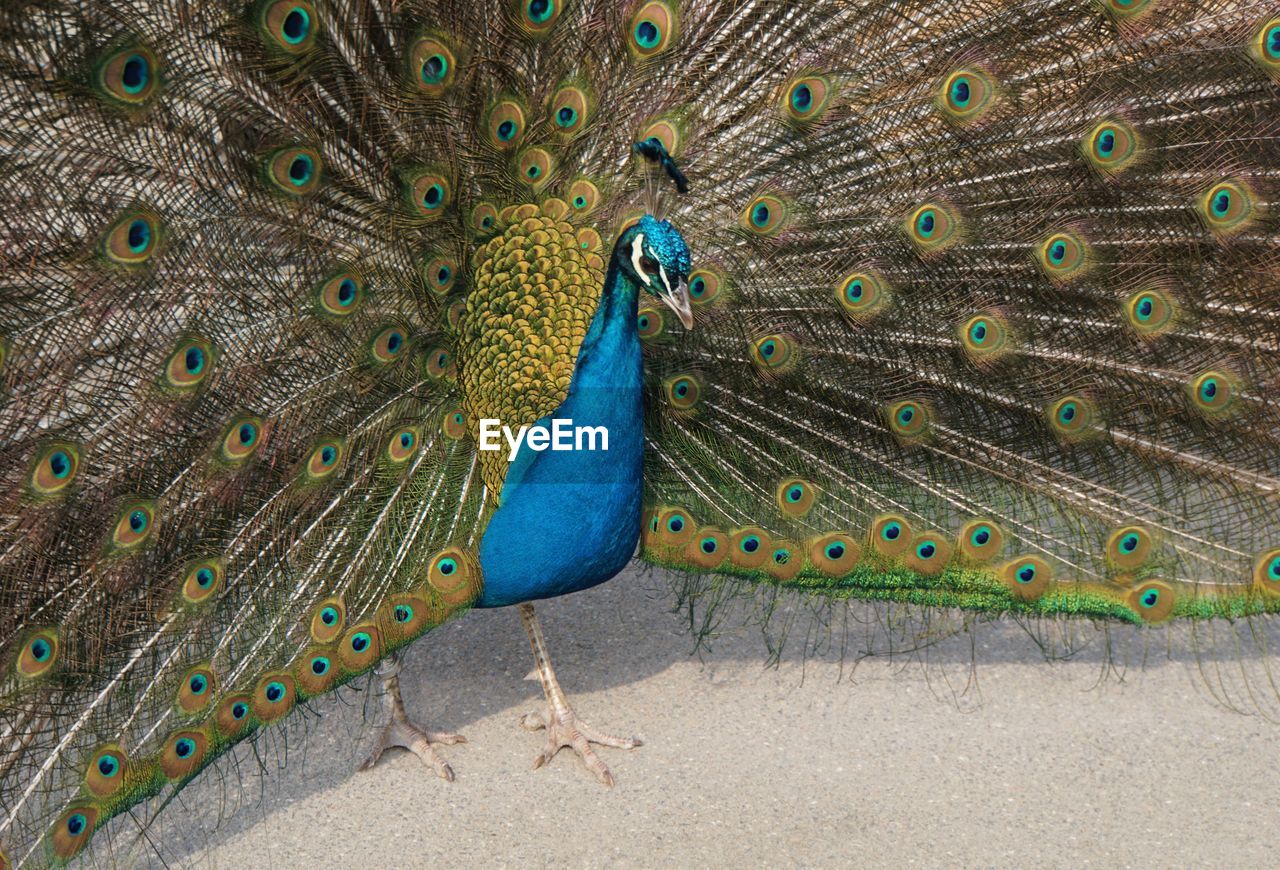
[[649, 264]]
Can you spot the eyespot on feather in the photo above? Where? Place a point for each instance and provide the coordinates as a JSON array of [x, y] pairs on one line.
[[431, 66], [454, 425], [403, 445], [984, 337], [570, 110], [132, 239], [1150, 312], [438, 364], [534, 167], [1063, 256], [1228, 207], [966, 95], [295, 170], [675, 528], [183, 754], [805, 99], [796, 496], [766, 216], [651, 322], [1129, 547], [232, 717], [1214, 393], [1153, 601], [134, 526], [196, 692], [909, 420], [127, 77], [537, 17], [273, 696], [388, 345], [785, 562], [708, 548], [750, 547], [652, 29], [315, 671], [484, 218], [289, 25], [1265, 47], [189, 364], [981, 540], [774, 353], [54, 469], [440, 275], [583, 196], [862, 295], [106, 772], [928, 554], [1027, 577], [1111, 147], [834, 554], [328, 620], [1073, 418], [241, 439], [890, 535], [38, 654], [428, 194], [682, 392], [505, 125], [324, 460], [706, 286], [340, 294], [201, 580], [933, 228], [71, 832], [1266, 572], [455, 574], [404, 617]]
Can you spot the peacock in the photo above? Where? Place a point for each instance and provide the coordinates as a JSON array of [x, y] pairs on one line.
[[951, 305]]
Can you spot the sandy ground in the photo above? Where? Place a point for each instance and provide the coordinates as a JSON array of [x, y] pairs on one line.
[[890, 764]]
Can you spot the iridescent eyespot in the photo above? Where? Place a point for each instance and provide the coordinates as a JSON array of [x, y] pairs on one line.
[[652, 29], [908, 419], [834, 554], [1111, 146], [583, 196], [127, 77], [54, 469], [766, 215], [1214, 392], [134, 525], [933, 227], [39, 654], [438, 363], [1027, 577], [1129, 547], [981, 540], [1265, 47], [294, 171], [1150, 312], [199, 685], [340, 294], [454, 574], [241, 439], [749, 547], [534, 167], [1127, 10], [795, 496], [440, 275], [232, 715], [928, 554], [706, 286], [862, 295], [1063, 256], [454, 424], [683, 392], [201, 580], [328, 620], [189, 364], [805, 99], [133, 239], [651, 322], [290, 25], [428, 194], [273, 696], [484, 218], [403, 445], [536, 17], [325, 459], [965, 95], [775, 353], [72, 831], [569, 110], [432, 67], [1072, 417], [506, 125], [708, 548], [183, 753], [388, 345], [106, 772], [1153, 601], [984, 337], [1266, 572], [1227, 207], [890, 535]]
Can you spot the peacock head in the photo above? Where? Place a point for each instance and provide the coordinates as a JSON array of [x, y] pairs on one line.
[[654, 255]]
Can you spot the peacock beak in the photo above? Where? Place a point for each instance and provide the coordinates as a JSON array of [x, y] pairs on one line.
[[677, 300]]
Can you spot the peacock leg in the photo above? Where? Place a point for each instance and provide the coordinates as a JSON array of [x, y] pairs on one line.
[[400, 731], [562, 725]]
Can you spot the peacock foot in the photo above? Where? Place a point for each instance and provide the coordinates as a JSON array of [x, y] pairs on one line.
[[401, 732], [565, 729]]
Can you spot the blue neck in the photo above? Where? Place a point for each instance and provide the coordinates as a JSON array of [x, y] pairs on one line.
[[569, 520]]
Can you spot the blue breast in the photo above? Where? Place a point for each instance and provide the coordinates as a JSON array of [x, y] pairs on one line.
[[569, 520]]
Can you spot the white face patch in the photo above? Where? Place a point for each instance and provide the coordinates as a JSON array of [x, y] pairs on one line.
[[662, 273], [637, 251]]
